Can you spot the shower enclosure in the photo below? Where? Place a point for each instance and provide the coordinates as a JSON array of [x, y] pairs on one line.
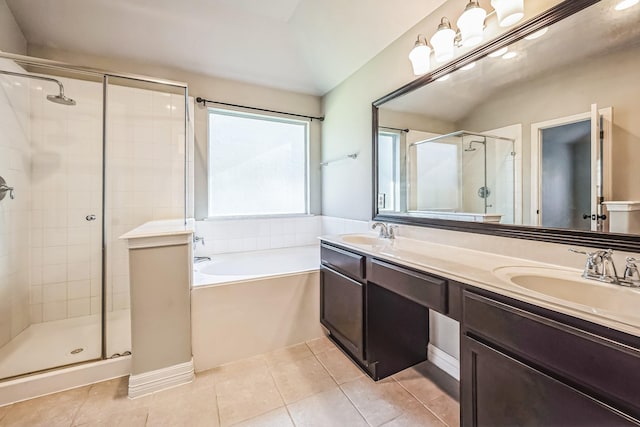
[[462, 174], [88, 155]]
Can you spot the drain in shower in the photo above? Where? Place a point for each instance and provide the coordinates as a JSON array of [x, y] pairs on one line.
[[77, 350]]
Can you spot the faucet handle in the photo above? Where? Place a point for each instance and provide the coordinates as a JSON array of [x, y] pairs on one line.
[[197, 239], [631, 273], [393, 231]]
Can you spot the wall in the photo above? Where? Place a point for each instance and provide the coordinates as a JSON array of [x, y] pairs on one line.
[[561, 94], [11, 37], [218, 89], [346, 188], [15, 149]]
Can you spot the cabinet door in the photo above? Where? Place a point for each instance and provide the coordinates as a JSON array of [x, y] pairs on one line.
[[497, 390], [341, 310]]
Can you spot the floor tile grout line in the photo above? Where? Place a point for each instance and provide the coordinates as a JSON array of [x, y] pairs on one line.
[[355, 407], [422, 403]]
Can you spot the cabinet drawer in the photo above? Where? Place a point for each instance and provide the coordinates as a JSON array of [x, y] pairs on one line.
[[342, 260], [606, 369], [424, 289]]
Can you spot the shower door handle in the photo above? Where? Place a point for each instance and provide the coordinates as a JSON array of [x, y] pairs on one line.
[[91, 217], [594, 217]]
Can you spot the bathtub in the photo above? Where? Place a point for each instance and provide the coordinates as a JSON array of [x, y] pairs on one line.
[[243, 266], [246, 304]]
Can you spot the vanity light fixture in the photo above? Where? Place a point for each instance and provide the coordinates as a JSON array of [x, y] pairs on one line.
[[444, 78], [626, 4], [419, 56], [499, 52], [509, 11], [443, 41], [471, 24], [468, 67], [509, 55], [539, 33]]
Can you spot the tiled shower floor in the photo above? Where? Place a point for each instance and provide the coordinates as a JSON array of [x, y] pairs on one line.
[[50, 344], [310, 384]]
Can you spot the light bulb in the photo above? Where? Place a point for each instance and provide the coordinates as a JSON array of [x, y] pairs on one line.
[[509, 11], [468, 67], [442, 41], [509, 55], [419, 57], [471, 24], [626, 4]]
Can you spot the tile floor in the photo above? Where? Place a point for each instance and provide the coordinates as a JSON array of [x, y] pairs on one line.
[[310, 384]]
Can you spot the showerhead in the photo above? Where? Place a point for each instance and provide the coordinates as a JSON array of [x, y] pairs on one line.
[[61, 99], [470, 147], [58, 99]]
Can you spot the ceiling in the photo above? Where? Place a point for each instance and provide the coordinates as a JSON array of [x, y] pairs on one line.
[[308, 46]]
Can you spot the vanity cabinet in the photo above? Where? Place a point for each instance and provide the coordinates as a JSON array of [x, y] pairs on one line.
[[521, 365], [378, 312], [342, 292]]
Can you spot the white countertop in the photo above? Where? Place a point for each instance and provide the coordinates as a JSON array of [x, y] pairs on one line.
[[161, 228], [478, 269]]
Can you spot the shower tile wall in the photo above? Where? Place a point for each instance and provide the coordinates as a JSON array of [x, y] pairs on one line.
[[14, 214], [145, 178], [66, 172]]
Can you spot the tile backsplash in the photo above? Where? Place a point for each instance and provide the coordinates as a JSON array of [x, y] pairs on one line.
[[240, 235]]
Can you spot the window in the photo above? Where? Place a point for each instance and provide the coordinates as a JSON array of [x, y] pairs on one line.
[[388, 171], [257, 165]]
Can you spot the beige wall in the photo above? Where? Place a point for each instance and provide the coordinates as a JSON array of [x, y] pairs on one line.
[[611, 81], [347, 128], [160, 307], [347, 187], [11, 38], [218, 89]]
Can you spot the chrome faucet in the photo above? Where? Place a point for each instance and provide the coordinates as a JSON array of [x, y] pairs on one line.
[[197, 259], [600, 266], [387, 231], [197, 239]]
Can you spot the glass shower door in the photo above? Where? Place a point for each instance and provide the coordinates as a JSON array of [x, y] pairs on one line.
[[51, 232]]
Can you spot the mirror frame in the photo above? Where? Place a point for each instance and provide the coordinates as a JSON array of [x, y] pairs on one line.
[[565, 9]]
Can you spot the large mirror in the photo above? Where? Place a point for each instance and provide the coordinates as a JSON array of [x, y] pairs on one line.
[[544, 132]]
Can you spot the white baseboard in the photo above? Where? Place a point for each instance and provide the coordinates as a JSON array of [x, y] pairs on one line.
[[62, 379], [444, 361], [160, 379]]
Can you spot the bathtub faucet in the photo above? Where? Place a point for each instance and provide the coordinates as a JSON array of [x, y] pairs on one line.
[[197, 259]]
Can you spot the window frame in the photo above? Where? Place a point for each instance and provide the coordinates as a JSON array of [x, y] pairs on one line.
[[397, 141], [264, 117]]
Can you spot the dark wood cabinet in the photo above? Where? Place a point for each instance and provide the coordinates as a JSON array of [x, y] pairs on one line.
[[522, 368], [498, 390], [521, 364], [342, 310]]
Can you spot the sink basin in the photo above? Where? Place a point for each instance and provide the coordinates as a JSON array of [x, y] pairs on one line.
[[569, 286], [360, 239]]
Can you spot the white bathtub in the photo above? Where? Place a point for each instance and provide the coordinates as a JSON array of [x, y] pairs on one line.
[[252, 303], [243, 266]]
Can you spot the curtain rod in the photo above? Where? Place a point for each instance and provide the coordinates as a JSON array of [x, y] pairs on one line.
[[204, 102], [399, 130]]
